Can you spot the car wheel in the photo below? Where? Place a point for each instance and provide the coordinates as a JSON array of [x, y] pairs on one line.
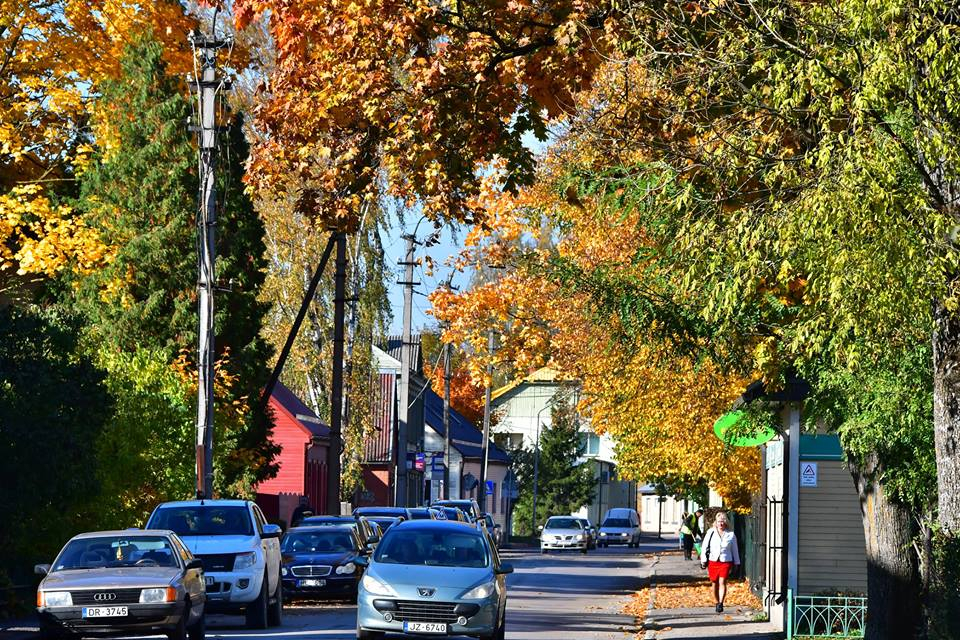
[[583, 551], [275, 611], [257, 610], [179, 632], [199, 629], [363, 634]]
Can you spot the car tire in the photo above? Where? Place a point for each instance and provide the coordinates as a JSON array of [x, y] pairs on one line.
[[363, 634], [583, 551], [257, 610], [198, 631], [275, 608], [179, 632]]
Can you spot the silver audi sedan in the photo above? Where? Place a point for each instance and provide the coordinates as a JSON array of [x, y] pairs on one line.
[[433, 577], [130, 582]]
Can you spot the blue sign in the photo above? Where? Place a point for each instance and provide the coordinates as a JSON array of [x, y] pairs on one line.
[[489, 487], [437, 462]]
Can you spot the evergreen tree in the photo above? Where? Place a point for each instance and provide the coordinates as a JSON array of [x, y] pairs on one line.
[[563, 485], [141, 194]]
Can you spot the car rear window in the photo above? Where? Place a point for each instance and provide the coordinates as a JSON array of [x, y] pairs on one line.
[[332, 541], [116, 551], [206, 520], [426, 547]]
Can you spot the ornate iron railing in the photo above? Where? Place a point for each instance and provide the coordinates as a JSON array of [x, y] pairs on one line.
[[829, 616]]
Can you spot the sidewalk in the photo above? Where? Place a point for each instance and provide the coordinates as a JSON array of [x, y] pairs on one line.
[[672, 580]]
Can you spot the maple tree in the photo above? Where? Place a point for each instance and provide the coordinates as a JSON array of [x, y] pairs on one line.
[[414, 95]]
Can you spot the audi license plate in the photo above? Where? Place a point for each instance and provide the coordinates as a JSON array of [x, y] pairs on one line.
[[424, 627], [313, 583], [104, 612]]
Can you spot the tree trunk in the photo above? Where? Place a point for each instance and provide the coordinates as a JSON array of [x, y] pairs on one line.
[[894, 606], [944, 601]]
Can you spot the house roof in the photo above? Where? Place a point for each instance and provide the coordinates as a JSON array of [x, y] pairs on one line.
[[544, 375], [300, 412], [465, 437], [394, 348]]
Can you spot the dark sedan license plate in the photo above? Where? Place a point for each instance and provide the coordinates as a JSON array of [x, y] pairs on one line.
[[104, 612], [424, 627], [313, 583]]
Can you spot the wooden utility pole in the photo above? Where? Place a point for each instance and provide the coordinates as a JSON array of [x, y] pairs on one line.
[[336, 378], [486, 422], [446, 421], [207, 86]]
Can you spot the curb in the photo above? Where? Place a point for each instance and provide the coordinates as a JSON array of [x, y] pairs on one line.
[[649, 623]]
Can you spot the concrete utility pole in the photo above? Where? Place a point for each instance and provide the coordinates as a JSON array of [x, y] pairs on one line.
[[486, 423], [446, 421], [207, 87], [336, 378], [406, 356]]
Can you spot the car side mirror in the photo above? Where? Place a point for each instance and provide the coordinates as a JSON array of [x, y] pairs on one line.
[[271, 531], [361, 561], [505, 569], [41, 569], [196, 563], [540, 528]]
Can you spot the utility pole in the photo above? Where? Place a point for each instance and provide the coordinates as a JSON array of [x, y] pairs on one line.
[[486, 422], [446, 421], [207, 86], [403, 393], [336, 378]]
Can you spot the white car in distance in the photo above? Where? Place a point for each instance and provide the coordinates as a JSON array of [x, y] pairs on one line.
[[563, 533]]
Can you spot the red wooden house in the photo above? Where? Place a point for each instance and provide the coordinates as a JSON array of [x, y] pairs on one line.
[[304, 441]]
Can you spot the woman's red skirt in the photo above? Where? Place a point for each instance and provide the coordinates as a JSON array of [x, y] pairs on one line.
[[718, 570]]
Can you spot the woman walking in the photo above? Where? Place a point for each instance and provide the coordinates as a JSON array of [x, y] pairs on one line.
[[719, 555]]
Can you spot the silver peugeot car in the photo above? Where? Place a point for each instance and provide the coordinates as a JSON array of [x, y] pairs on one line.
[[129, 582], [433, 577]]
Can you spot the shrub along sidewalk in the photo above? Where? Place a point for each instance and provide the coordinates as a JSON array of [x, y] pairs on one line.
[[678, 604]]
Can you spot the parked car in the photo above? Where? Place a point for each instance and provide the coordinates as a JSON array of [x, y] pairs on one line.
[[240, 554], [385, 522], [591, 533], [496, 532], [620, 526], [129, 582], [368, 532], [563, 532], [451, 513], [320, 562], [422, 513], [389, 512], [469, 507], [433, 577]]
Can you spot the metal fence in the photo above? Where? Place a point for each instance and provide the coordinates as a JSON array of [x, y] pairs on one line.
[[829, 616]]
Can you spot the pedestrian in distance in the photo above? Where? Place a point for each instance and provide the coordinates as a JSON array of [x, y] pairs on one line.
[[680, 532], [302, 511], [719, 555], [690, 530]]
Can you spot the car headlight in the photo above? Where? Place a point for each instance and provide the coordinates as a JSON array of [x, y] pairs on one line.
[[244, 561], [346, 569], [375, 587], [480, 592], [160, 594], [579, 536], [624, 534], [283, 571], [55, 599], [603, 533]]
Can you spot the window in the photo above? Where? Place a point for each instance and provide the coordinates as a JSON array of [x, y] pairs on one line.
[[589, 444]]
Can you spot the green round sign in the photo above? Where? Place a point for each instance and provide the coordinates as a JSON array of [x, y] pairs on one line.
[[727, 420]]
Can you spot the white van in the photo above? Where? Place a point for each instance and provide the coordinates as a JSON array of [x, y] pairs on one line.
[[620, 526]]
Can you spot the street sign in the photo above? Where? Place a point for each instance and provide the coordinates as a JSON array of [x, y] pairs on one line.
[[436, 462], [489, 487], [808, 474], [420, 462]]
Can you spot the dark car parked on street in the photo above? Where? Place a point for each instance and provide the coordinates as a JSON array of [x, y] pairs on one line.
[[383, 512], [422, 513], [319, 562], [130, 582], [368, 532]]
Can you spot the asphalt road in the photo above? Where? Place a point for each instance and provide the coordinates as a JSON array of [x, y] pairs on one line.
[[557, 596]]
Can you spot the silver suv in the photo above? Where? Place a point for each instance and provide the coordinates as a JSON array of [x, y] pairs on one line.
[[240, 554]]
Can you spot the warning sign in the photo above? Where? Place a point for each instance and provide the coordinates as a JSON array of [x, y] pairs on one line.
[[808, 474]]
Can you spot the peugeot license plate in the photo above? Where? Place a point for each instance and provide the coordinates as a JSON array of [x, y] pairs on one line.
[[104, 612], [313, 583], [424, 627]]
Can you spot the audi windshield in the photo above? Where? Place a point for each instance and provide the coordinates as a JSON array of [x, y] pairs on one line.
[[116, 551]]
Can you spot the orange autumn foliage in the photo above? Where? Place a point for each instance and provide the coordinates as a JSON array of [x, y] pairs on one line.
[[466, 397]]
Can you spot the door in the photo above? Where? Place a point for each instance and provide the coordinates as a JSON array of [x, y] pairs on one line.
[[271, 552]]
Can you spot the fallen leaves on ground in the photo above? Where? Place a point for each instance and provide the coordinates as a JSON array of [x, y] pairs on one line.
[[699, 593], [637, 605]]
